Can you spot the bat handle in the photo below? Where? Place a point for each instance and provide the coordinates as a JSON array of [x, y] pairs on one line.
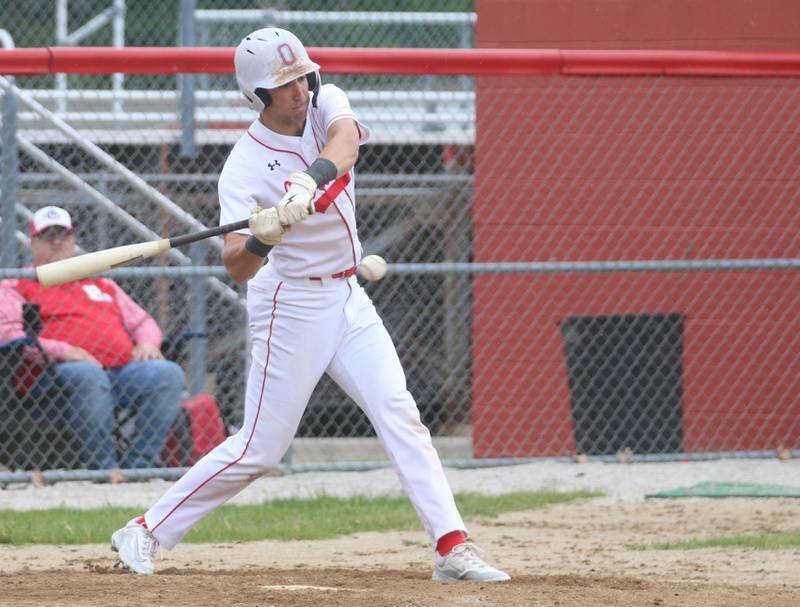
[[179, 241]]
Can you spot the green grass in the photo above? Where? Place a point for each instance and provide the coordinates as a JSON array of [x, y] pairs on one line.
[[315, 519], [763, 541]]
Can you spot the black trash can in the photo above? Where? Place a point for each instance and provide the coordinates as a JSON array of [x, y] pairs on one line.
[[625, 382]]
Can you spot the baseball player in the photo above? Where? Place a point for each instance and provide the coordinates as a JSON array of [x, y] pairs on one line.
[[292, 173]]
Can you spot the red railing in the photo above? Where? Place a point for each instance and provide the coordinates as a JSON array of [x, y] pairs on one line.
[[496, 62]]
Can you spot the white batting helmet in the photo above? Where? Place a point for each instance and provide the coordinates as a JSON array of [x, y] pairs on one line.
[[269, 58]]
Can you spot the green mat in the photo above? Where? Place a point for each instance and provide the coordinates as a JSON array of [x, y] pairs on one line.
[[712, 489]]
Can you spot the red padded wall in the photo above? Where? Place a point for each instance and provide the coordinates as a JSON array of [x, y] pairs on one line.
[[639, 24], [644, 187]]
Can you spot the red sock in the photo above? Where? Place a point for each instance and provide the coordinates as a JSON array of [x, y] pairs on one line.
[[141, 521], [449, 541]]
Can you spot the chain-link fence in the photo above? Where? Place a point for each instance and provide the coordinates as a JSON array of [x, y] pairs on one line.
[[578, 264], [636, 168]]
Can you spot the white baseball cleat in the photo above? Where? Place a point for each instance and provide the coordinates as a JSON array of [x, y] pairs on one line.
[[135, 547], [463, 563]]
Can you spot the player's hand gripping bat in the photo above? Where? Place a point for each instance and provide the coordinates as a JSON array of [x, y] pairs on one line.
[[83, 266]]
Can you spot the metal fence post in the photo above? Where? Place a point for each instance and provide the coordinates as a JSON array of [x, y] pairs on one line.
[[10, 169], [197, 322], [188, 146]]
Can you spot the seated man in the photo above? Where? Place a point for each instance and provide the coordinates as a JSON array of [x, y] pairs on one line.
[[105, 351]]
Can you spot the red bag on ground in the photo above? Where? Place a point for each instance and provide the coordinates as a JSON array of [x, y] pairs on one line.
[[197, 431]]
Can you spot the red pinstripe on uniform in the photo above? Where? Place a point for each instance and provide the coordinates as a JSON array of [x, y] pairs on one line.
[[269, 147], [255, 420], [349, 233], [352, 204]]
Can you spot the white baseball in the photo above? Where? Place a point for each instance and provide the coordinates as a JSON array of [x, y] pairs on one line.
[[372, 268]]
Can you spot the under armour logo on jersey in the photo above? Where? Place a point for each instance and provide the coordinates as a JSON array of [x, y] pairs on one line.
[[272, 165]]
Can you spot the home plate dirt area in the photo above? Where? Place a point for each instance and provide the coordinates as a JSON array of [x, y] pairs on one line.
[[582, 554]]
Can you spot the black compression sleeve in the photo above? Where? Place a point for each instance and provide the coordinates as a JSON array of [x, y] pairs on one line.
[[256, 247], [322, 171]]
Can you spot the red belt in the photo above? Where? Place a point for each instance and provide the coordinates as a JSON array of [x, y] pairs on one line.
[[343, 274]]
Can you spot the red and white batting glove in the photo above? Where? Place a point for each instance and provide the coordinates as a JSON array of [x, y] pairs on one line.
[[298, 202]]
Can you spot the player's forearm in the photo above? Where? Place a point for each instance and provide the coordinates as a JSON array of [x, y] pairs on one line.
[[342, 147], [240, 263], [341, 156]]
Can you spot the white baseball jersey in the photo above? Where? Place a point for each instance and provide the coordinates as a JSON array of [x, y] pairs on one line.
[[257, 171], [307, 316]]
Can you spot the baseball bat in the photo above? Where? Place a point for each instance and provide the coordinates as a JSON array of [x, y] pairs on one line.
[[83, 266]]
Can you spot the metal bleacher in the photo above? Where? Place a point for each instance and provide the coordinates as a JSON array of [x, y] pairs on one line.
[[405, 110], [396, 117]]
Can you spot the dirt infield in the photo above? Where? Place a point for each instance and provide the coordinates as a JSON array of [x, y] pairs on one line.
[[579, 554]]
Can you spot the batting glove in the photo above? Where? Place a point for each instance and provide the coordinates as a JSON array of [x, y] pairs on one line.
[[298, 202], [266, 226]]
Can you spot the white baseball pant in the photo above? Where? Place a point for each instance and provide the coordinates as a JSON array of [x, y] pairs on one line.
[[300, 329]]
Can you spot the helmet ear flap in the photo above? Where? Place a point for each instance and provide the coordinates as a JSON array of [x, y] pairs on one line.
[[263, 95], [313, 86]]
